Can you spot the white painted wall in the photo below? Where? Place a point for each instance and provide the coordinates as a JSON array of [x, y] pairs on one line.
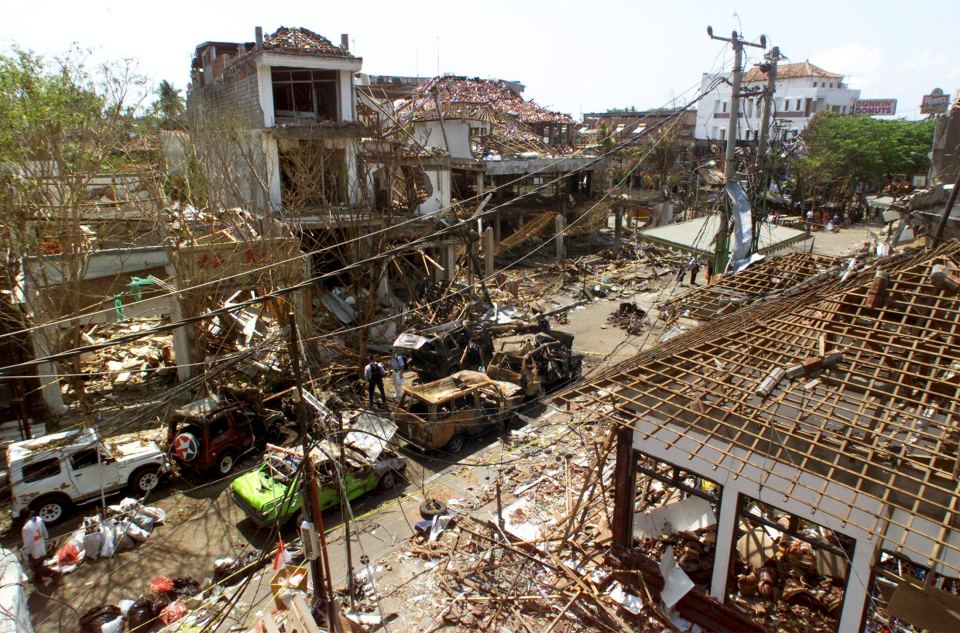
[[440, 198], [713, 128], [430, 134]]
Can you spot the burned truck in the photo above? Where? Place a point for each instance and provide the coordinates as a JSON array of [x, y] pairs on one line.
[[538, 361]]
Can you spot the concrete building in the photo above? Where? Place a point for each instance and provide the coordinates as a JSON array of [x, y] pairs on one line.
[[293, 92], [802, 91]]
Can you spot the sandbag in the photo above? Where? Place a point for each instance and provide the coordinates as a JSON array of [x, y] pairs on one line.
[[143, 521], [92, 620], [108, 530], [114, 626], [141, 615], [134, 532]]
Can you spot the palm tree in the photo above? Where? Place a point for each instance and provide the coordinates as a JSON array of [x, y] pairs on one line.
[[169, 106]]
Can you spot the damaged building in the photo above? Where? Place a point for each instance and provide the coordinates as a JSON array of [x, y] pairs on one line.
[[810, 444]]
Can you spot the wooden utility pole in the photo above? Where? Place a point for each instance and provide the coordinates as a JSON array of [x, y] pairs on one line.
[[345, 512], [319, 566], [722, 252]]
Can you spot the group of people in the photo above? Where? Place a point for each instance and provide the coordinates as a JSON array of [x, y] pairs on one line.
[[374, 372]]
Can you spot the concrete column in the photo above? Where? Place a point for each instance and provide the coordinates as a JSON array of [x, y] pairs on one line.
[[450, 262], [617, 226], [560, 223], [488, 246], [855, 597], [726, 526], [181, 343], [479, 183], [49, 381]]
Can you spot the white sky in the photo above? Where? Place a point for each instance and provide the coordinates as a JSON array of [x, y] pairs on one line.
[[572, 56]]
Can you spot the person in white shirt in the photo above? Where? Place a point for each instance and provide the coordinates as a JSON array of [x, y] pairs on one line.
[[373, 373], [397, 364], [34, 534]]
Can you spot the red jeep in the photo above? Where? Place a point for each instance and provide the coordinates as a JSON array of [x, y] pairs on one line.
[[211, 434]]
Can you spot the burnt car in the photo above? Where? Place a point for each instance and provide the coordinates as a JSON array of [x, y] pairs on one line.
[[538, 361], [443, 413], [209, 435]]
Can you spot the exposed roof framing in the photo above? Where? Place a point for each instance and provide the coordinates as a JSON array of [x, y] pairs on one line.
[[876, 435], [764, 279]]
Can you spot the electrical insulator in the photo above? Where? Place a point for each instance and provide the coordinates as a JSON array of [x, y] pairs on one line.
[[311, 543]]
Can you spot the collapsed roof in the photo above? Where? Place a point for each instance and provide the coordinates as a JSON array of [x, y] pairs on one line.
[[869, 442], [516, 123]]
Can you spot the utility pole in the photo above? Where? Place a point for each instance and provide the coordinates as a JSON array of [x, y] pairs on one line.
[[770, 66], [722, 252], [322, 587], [345, 511]]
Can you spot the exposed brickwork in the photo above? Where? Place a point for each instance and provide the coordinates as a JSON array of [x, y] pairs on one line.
[[235, 93]]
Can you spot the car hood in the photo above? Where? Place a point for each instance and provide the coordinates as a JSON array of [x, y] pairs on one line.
[[133, 448], [258, 489]]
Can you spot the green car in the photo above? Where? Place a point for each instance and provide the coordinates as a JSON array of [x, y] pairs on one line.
[[271, 495]]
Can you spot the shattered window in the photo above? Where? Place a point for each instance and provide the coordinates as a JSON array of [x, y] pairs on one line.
[[304, 96], [38, 471]]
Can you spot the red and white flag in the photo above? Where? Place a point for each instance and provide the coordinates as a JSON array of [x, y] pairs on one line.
[[282, 557]]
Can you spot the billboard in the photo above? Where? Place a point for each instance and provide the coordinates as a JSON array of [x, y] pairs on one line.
[[875, 107], [935, 103]]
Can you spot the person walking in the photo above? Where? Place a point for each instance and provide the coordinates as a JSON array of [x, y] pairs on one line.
[[34, 534], [694, 271], [397, 364], [373, 373]]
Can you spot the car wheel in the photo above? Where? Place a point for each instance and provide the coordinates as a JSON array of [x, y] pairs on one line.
[[455, 445], [144, 480], [52, 509], [226, 463], [388, 481], [431, 508]]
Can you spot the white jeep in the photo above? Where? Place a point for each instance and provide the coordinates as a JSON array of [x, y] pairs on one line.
[[51, 473]]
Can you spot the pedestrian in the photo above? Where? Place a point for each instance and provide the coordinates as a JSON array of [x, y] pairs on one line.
[[34, 534], [694, 270], [397, 364], [373, 373]]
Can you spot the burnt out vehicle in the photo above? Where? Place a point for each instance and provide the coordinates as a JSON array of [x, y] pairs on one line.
[[438, 351], [443, 413], [537, 361], [209, 435]]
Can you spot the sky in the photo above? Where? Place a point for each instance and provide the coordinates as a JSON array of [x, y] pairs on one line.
[[572, 57]]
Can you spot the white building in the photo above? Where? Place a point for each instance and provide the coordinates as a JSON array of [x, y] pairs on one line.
[[802, 90]]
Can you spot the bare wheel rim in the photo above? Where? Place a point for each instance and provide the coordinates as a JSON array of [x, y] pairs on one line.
[[50, 511], [147, 482], [226, 464]]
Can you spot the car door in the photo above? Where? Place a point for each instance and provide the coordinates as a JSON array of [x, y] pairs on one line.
[[87, 474]]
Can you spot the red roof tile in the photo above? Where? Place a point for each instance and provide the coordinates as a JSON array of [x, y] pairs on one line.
[[301, 40], [791, 71]]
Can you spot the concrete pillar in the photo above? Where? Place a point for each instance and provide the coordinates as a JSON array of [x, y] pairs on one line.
[[49, 381], [726, 526], [560, 223], [617, 226], [479, 183], [181, 343], [450, 261], [855, 597], [488, 246]]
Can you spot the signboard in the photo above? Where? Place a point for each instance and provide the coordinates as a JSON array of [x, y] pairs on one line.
[[875, 107], [935, 103]]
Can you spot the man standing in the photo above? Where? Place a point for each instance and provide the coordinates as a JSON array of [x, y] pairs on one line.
[[34, 534], [373, 373], [397, 365]]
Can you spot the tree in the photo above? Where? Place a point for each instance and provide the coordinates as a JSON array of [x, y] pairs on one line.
[[169, 108], [844, 150]]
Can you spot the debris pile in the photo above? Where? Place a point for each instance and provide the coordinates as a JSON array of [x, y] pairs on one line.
[[630, 317]]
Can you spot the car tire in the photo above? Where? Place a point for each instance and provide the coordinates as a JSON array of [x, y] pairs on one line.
[[226, 463], [387, 481], [144, 480], [431, 508], [51, 508], [455, 445]]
